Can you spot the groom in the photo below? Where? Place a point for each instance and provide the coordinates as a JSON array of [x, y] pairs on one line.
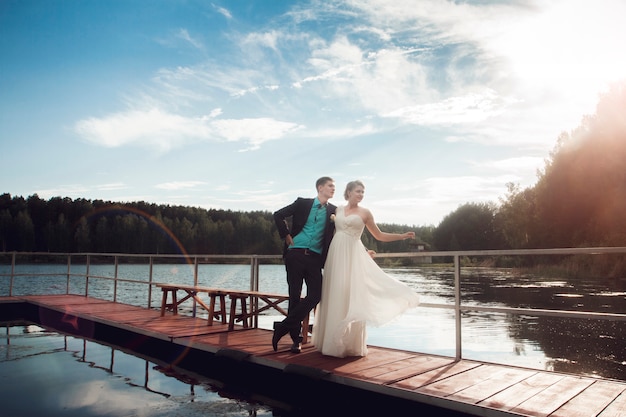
[[306, 246]]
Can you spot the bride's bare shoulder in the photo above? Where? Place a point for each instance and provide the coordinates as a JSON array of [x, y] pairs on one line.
[[366, 214], [365, 211]]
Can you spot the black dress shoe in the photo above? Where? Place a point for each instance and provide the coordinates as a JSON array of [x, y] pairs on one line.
[[296, 347], [279, 331]]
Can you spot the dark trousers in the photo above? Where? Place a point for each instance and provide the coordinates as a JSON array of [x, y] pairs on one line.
[[302, 268]]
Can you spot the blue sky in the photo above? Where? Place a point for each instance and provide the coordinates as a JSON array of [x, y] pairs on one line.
[[242, 105]]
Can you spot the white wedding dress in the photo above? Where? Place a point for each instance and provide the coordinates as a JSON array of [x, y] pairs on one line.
[[355, 293]]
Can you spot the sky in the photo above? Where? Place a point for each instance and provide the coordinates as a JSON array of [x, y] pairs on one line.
[[241, 105]]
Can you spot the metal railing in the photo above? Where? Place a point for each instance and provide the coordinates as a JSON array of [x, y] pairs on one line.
[[255, 260]]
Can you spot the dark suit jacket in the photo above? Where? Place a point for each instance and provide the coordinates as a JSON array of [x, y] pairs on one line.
[[299, 211]]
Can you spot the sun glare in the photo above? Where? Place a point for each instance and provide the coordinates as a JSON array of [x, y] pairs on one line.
[[570, 49]]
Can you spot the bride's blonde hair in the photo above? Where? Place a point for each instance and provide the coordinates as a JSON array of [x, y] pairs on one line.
[[351, 186]]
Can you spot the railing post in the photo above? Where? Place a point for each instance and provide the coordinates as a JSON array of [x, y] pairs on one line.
[[115, 281], [150, 284], [87, 275], [457, 306], [12, 274], [195, 283], [254, 273], [69, 269], [254, 286]]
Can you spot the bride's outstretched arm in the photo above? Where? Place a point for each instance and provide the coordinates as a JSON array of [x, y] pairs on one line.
[[384, 236]]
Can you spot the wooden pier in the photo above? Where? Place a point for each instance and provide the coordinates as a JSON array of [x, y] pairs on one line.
[[386, 377]]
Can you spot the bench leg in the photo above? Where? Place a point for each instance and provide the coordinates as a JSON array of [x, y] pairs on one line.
[[223, 308], [165, 305], [174, 303], [163, 302], [233, 312], [243, 315], [212, 310]]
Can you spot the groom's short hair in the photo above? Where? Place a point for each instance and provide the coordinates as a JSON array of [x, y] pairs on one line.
[[322, 181]]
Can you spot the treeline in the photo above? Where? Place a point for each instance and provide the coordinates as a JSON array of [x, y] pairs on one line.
[[82, 226], [66, 225], [579, 200]]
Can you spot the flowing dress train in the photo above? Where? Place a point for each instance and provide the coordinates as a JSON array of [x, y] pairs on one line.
[[355, 293]]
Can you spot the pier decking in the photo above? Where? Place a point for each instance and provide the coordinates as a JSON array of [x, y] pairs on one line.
[[464, 387]]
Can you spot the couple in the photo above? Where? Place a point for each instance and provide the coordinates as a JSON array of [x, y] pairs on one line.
[[354, 291]]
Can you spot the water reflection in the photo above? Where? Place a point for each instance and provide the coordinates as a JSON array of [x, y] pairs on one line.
[[46, 373], [580, 346]]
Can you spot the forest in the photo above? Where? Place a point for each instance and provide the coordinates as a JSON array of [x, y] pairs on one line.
[[579, 200]]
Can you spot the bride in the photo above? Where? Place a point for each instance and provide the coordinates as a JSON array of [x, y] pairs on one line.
[[355, 291]]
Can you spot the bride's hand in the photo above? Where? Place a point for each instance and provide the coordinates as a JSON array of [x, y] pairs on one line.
[[372, 253]]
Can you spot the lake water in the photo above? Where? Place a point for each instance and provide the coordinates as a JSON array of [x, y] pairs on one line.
[[44, 373], [585, 347]]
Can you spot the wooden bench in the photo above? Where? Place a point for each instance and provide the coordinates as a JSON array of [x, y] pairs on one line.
[[215, 295], [243, 304]]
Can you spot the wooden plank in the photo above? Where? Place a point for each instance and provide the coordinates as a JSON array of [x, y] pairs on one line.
[[591, 401], [375, 358], [62, 299], [553, 397], [122, 315], [425, 378], [518, 393], [395, 371], [617, 408], [112, 310], [254, 342], [460, 381], [179, 326], [352, 366], [12, 299], [499, 380]]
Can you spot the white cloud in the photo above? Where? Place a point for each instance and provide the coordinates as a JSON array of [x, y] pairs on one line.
[[223, 11], [462, 188], [112, 186], [184, 35], [179, 185], [255, 89], [514, 164], [254, 131], [468, 109], [69, 190], [164, 131], [267, 39], [152, 128]]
